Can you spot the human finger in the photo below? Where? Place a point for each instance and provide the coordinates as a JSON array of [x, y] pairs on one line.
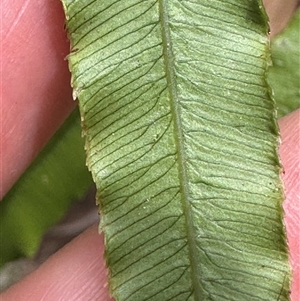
[[290, 156], [75, 273], [35, 85]]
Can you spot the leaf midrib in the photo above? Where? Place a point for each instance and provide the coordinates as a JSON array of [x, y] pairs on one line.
[[179, 141]]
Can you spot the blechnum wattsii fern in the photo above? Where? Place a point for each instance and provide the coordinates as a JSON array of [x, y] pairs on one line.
[[182, 142]]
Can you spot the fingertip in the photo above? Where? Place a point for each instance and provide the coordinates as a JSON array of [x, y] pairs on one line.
[[75, 273]]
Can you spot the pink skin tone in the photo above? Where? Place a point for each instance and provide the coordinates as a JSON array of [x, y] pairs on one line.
[[290, 157], [35, 92], [35, 82]]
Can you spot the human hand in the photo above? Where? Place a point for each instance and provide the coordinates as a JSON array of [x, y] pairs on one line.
[[36, 98]]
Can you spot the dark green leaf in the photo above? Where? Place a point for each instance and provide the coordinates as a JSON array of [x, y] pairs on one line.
[[44, 192]]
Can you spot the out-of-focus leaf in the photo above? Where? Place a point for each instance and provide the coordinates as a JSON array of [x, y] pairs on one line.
[[284, 75], [182, 143], [44, 192]]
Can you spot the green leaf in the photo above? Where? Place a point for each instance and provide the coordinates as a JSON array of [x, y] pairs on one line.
[[182, 144], [44, 192], [284, 75]]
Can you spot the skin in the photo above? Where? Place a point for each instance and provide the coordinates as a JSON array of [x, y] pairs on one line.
[[289, 154], [35, 100], [279, 12], [35, 86]]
